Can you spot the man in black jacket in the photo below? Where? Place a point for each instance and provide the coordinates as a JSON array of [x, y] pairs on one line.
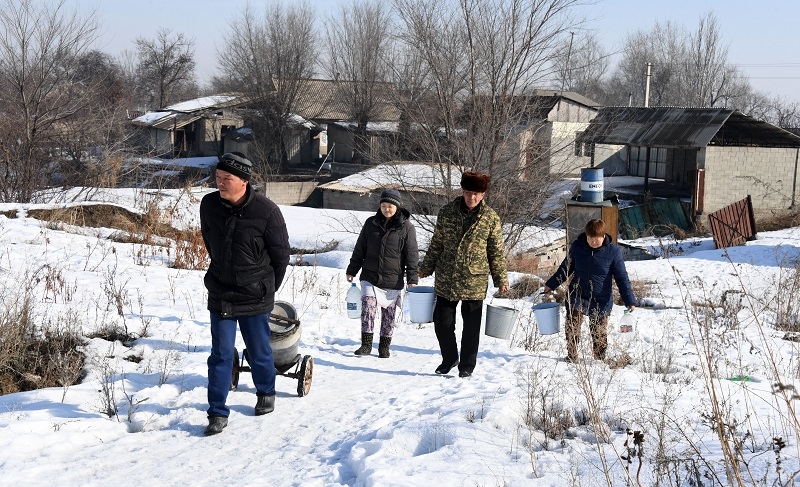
[[246, 238]]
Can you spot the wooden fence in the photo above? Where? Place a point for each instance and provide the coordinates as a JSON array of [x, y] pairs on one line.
[[657, 217], [734, 224]]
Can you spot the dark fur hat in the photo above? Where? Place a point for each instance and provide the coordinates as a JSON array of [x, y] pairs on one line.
[[475, 181], [237, 164]]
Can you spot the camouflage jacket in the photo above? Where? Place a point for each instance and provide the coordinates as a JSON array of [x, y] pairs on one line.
[[461, 256]]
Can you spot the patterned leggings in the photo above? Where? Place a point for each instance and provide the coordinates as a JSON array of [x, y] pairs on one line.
[[369, 308]]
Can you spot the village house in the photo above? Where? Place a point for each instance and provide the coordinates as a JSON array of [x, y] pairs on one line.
[[325, 102], [551, 129], [422, 186], [710, 157], [193, 128]]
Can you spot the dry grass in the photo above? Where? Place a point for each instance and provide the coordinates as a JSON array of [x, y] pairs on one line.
[[190, 251], [523, 287], [641, 289], [34, 355], [777, 221], [140, 228]]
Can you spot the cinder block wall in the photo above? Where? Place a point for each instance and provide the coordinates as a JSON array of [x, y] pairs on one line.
[[289, 193], [766, 174]]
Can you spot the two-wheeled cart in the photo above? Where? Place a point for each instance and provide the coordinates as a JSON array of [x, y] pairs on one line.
[[285, 332]]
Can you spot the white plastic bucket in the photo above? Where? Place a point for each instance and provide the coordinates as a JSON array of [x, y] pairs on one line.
[[500, 321], [548, 318], [421, 300]]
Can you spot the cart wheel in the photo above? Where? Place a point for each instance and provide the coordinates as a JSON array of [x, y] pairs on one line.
[[235, 374], [304, 376]]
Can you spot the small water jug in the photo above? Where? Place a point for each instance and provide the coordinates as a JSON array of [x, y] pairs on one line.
[[353, 302], [627, 322]]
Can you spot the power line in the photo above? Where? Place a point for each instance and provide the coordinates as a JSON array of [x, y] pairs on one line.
[[767, 65]]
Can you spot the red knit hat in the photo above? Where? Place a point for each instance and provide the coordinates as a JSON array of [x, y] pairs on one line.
[[475, 181]]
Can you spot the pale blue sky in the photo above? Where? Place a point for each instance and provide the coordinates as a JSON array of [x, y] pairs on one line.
[[763, 36]]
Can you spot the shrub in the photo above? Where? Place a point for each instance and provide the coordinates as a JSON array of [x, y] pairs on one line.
[[190, 251], [35, 356]]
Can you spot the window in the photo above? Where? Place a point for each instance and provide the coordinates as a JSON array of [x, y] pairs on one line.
[[583, 149], [658, 162]]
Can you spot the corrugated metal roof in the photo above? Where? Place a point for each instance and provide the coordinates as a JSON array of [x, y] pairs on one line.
[[322, 99], [180, 114], [569, 95], [684, 128]]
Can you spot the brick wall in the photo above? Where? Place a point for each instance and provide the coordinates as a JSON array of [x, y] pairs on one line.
[[766, 174]]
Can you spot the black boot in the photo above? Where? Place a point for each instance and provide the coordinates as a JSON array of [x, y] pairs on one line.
[[366, 344], [383, 347], [265, 405], [215, 425]]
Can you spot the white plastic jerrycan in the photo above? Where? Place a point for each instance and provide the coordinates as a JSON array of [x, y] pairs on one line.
[[353, 302], [627, 323]]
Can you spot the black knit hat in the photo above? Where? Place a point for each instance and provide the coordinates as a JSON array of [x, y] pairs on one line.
[[392, 196], [235, 163]]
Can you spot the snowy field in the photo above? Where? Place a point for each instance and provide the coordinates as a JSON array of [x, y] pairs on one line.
[[707, 375]]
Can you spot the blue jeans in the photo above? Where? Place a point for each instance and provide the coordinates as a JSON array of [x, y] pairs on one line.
[[255, 332]]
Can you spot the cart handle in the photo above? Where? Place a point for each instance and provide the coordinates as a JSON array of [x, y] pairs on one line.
[[285, 319]]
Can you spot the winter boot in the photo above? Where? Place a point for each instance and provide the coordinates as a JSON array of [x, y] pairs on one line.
[[383, 347], [366, 344], [215, 425], [265, 404]]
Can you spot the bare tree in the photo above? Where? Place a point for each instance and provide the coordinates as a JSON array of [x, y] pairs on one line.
[[482, 60], [688, 69], [783, 113], [708, 74], [359, 47], [661, 47], [582, 66], [165, 68], [268, 59], [92, 140], [40, 50]]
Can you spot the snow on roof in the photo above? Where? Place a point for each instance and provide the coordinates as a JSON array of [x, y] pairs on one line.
[[371, 126], [188, 106], [201, 103], [151, 118], [406, 176], [204, 162], [298, 120]]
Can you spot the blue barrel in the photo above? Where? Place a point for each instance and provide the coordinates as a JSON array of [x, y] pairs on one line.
[[592, 184]]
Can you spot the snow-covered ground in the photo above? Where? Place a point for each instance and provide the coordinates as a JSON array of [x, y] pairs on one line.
[[376, 422]]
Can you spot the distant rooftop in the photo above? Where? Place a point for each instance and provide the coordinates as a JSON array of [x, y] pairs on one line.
[[684, 128]]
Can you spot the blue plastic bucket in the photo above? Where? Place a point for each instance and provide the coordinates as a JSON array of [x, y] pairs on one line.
[[592, 185]]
